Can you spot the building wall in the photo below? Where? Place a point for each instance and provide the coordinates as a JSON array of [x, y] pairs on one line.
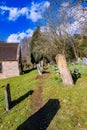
[[9, 69]]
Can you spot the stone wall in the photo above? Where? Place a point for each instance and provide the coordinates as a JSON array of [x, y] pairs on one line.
[[9, 69]]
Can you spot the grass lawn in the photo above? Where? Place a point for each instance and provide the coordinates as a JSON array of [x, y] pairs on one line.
[[44, 103]]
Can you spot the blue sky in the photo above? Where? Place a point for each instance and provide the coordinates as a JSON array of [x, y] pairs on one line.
[[19, 18]]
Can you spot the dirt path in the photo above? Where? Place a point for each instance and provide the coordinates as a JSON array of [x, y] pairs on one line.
[[40, 110], [37, 96]]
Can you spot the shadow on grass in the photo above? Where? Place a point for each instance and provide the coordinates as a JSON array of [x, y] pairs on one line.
[[20, 99], [29, 70], [42, 118], [45, 72]]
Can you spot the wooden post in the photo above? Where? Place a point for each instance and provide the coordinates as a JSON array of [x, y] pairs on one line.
[[7, 97]]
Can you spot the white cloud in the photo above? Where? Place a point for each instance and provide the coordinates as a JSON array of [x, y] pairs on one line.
[[14, 13], [37, 9], [17, 37], [46, 4], [29, 32], [5, 8], [34, 12], [13, 38]]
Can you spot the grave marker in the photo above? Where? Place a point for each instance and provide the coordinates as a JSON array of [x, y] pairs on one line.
[[7, 97]]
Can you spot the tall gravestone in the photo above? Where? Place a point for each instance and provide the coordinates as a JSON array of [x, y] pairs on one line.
[[64, 70]]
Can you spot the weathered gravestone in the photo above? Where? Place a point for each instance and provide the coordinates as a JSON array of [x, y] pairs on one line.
[[84, 61], [79, 60], [7, 97], [64, 70]]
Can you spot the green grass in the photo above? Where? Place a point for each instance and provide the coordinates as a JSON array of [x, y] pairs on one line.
[[72, 114], [19, 87]]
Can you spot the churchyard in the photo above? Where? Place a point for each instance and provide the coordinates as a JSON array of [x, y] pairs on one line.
[[43, 102]]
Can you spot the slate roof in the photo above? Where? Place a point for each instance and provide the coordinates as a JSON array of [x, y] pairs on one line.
[[9, 51]]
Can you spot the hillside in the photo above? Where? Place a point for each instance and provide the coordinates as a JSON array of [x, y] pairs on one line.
[[43, 102]]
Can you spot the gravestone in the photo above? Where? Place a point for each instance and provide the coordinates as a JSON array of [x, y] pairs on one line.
[[64, 70], [79, 60], [7, 97], [84, 61]]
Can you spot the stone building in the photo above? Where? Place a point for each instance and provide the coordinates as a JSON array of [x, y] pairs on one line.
[[10, 60]]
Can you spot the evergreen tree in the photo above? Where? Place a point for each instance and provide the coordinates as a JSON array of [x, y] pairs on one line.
[[36, 56]]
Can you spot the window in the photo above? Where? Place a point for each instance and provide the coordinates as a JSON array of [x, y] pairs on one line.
[[0, 67]]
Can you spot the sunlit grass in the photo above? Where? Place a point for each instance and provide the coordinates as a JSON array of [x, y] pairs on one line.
[[19, 87], [73, 101], [72, 114]]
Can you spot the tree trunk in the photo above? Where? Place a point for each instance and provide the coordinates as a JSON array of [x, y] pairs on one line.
[[39, 68], [64, 70], [75, 51]]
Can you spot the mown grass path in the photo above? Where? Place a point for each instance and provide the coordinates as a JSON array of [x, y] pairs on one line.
[[37, 99], [40, 119]]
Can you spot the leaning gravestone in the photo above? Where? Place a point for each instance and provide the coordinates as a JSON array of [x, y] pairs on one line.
[[7, 97], [64, 70]]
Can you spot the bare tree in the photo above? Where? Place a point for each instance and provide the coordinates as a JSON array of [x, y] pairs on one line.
[[63, 20], [25, 47], [79, 14], [57, 18]]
